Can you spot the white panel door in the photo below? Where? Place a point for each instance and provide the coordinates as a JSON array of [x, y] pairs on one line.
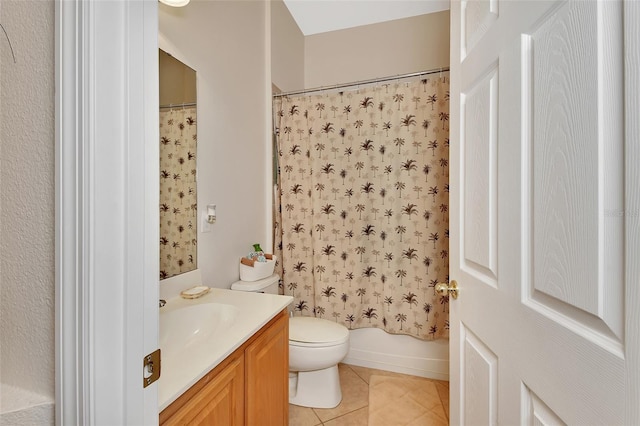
[[545, 212]]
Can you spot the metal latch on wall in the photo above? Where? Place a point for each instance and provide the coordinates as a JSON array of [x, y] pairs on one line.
[[151, 368]]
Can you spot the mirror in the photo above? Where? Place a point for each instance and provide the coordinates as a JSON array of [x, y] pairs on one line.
[[178, 147]]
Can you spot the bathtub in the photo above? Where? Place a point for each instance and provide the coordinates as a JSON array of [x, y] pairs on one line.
[[20, 407], [374, 348]]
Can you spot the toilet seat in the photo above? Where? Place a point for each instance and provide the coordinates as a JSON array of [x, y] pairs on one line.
[[313, 332]]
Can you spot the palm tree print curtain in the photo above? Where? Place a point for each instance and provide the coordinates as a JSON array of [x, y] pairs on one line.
[[362, 229], [178, 204]]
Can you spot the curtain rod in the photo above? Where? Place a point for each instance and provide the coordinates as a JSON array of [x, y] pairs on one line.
[[178, 105], [362, 82]]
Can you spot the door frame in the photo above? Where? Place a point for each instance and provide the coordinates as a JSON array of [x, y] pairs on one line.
[[107, 222]]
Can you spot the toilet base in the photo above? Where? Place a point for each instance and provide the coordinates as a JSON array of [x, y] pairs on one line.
[[315, 389]]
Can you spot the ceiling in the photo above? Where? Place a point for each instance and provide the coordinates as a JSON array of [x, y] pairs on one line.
[[319, 16]]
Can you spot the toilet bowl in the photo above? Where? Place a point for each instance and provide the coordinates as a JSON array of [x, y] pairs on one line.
[[316, 346]]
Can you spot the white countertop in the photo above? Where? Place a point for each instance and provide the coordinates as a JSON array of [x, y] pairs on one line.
[[182, 369]]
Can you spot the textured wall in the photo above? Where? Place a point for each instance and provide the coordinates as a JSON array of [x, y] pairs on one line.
[[27, 197]]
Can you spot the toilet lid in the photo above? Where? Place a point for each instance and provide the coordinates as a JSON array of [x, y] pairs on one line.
[[316, 330]]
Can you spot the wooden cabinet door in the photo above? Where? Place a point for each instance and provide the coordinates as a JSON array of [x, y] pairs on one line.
[[267, 376], [219, 402]]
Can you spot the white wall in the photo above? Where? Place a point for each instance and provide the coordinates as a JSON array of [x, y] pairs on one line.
[[226, 43], [378, 50], [27, 202], [287, 49]]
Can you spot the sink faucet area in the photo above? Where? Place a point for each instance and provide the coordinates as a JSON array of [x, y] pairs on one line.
[[197, 334]]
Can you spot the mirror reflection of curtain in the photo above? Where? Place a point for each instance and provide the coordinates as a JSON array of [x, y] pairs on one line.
[[178, 203], [363, 222]]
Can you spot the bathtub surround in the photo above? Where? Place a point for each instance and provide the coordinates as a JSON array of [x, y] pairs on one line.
[[21, 407], [374, 348], [364, 205]]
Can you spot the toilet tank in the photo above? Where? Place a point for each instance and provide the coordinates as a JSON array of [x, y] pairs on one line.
[[267, 285]]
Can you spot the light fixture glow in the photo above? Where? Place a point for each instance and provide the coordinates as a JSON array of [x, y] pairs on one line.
[[175, 3]]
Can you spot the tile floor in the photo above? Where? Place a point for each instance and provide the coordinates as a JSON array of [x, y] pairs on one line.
[[354, 408]]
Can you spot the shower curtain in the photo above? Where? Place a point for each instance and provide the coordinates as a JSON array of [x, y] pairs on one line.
[[362, 224], [178, 203]]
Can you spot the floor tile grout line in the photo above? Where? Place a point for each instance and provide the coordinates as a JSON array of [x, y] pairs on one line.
[[438, 395], [342, 415], [366, 370], [352, 411], [356, 373], [446, 412]]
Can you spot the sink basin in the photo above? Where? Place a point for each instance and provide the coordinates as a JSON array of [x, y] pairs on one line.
[[192, 326]]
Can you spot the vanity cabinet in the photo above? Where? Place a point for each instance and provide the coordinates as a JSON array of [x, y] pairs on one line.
[[267, 376], [250, 387], [217, 399]]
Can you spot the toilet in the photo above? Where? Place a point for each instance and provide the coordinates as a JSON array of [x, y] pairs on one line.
[[316, 346]]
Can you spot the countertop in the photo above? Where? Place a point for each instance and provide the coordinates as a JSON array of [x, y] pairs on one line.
[[182, 369]]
